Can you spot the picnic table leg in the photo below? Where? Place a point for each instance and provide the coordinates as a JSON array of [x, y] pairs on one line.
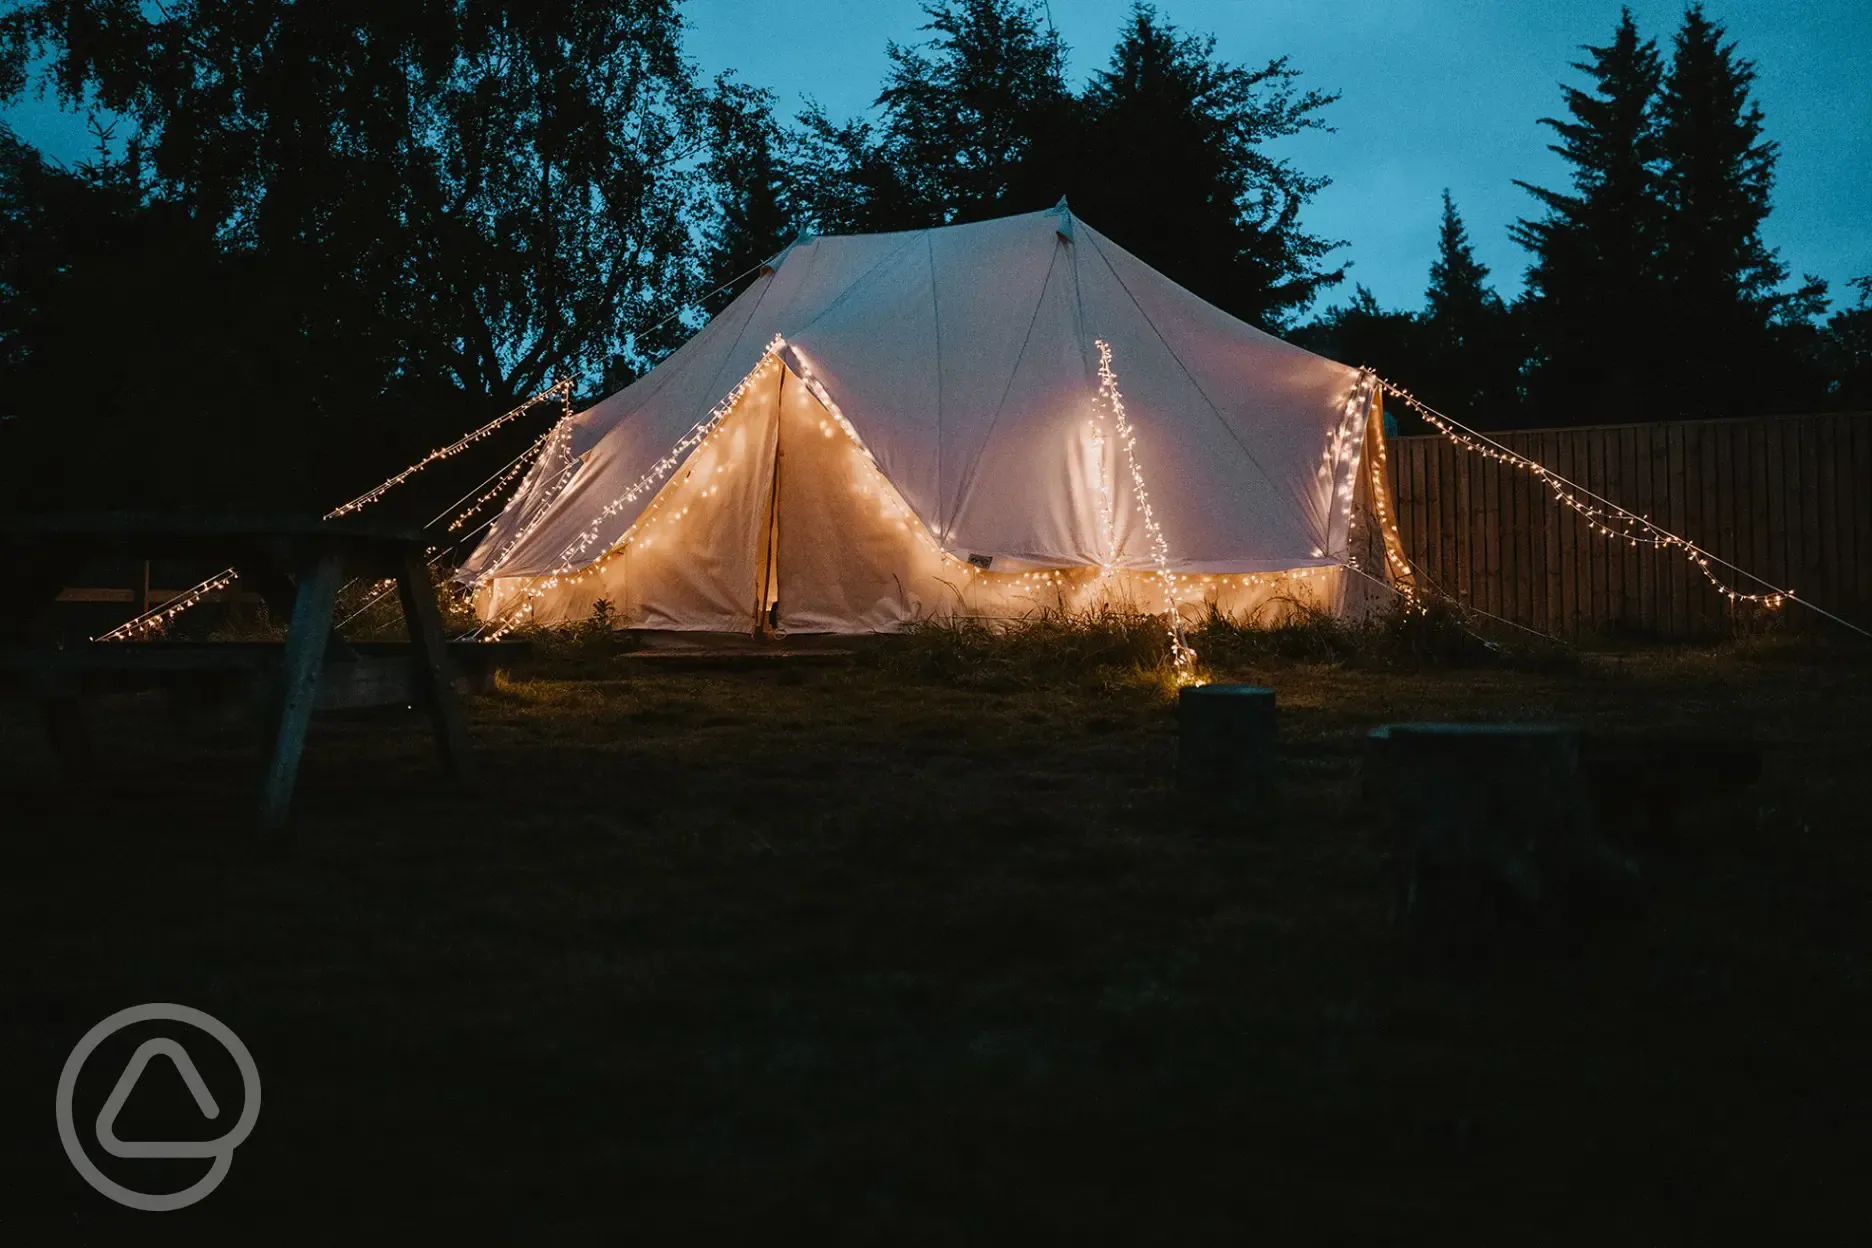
[[65, 726], [25, 614], [306, 638], [434, 674]]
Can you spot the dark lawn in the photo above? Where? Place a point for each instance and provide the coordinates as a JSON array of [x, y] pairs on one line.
[[823, 949]]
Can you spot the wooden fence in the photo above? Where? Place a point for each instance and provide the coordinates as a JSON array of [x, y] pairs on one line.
[[1789, 498]]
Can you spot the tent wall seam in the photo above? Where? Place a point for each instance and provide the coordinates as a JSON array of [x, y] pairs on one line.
[[967, 485], [942, 523], [1215, 411]]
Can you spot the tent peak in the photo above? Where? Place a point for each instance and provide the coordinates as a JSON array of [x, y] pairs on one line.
[[772, 263], [1065, 228]]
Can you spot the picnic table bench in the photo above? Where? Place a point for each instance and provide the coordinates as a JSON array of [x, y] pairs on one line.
[[298, 564]]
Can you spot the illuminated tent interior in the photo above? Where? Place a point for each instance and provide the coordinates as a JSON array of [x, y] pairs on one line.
[[889, 427]]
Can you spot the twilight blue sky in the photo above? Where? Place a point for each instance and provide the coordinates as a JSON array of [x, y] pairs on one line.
[[1436, 93]]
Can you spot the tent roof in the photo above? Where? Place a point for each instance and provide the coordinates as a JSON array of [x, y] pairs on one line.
[[964, 359]]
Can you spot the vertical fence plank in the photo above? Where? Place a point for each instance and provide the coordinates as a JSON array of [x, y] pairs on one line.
[[1560, 455], [1658, 508], [1687, 507], [1629, 556], [1785, 455], [1680, 588], [1598, 549], [1736, 499], [1493, 536], [1543, 449], [1522, 526], [1862, 510], [1838, 537], [1713, 518], [1759, 508], [1813, 556], [1465, 527], [1856, 494], [1581, 561], [1646, 615], [1444, 494], [1782, 504], [1606, 578]]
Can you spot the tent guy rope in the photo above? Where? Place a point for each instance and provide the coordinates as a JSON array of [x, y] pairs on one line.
[[1605, 517], [152, 620], [149, 621]]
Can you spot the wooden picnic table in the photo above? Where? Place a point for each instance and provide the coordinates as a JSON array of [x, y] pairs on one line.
[[297, 563]]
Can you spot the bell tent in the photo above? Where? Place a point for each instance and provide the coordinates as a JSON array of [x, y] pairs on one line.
[[988, 419]]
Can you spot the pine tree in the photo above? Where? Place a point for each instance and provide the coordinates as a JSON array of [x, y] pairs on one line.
[[1721, 281], [1471, 359], [1177, 169], [1845, 353], [1458, 296], [1593, 297]]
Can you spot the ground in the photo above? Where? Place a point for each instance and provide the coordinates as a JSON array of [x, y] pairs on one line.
[[865, 950]]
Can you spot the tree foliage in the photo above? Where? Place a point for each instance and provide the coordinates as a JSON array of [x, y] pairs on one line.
[[1177, 168], [319, 237], [428, 206], [1593, 299], [1470, 347], [1652, 270], [1166, 149], [752, 214]]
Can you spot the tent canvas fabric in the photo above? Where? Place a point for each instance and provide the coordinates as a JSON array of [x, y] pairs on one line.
[[889, 427]]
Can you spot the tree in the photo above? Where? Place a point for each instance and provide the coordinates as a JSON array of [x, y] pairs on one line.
[[972, 125], [1721, 282], [1593, 298], [1472, 356], [1166, 150], [1845, 353], [427, 208], [969, 114], [751, 217], [1366, 335], [1177, 169]]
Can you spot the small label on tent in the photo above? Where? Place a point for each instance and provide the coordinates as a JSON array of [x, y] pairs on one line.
[[982, 561]]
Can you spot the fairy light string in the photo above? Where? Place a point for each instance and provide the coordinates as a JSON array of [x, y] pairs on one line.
[[1601, 515], [562, 387], [1111, 423], [159, 618], [1183, 658], [1378, 490], [572, 565]]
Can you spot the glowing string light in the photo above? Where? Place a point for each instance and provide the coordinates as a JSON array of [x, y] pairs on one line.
[[1600, 514], [562, 387], [1182, 657], [153, 621], [567, 569]]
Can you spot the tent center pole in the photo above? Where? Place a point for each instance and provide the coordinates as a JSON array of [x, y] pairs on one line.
[[764, 618]]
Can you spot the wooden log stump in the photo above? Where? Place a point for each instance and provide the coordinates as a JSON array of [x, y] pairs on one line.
[[1491, 823], [1225, 743]]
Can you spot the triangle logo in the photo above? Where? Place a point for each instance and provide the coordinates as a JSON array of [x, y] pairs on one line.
[[126, 1082]]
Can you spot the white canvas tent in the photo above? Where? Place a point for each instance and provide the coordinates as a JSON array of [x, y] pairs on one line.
[[892, 426]]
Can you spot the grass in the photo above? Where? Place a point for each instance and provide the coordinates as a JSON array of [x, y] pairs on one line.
[[926, 946]]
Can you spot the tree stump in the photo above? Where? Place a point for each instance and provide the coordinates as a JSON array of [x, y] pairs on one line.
[[1225, 743], [1491, 823]]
